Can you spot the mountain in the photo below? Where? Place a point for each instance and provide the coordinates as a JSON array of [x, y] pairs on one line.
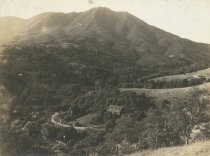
[[60, 73], [120, 31], [8, 27]]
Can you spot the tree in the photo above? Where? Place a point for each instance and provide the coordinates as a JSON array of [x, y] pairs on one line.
[[196, 106]]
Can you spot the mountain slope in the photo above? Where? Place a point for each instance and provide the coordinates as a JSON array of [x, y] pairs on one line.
[[120, 31], [9, 26], [73, 65]]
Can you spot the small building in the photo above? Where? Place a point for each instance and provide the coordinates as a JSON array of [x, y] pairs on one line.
[[114, 109]]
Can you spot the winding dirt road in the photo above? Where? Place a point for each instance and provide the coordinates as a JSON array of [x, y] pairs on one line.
[[53, 120], [55, 117]]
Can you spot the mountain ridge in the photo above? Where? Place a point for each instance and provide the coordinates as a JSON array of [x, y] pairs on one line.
[[93, 10], [103, 27]]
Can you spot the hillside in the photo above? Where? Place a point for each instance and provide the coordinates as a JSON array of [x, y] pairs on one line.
[[180, 80], [76, 85], [170, 95], [196, 149], [205, 73], [118, 31], [167, 93], [8, 28]]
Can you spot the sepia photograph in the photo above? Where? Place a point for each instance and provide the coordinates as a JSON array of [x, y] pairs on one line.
[[104, 77]]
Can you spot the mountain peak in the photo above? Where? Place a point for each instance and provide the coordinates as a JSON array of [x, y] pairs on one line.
[[104, 9]]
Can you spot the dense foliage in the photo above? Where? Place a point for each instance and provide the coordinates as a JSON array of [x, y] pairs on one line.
[[79, 81]]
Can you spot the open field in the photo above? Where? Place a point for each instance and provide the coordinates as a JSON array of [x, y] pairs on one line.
[[86, 120], [159, 95], [162, 94], [196, 149], [205, 73]]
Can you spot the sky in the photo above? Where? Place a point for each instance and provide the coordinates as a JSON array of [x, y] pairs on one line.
[[186, 18]]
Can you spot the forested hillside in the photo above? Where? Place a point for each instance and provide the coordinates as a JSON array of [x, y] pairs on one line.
[[64, 71]]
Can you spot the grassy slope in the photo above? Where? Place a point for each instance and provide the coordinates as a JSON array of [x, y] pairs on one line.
[[205, 73], [196, 149], [159, 95], [162, 94], [86, 120]]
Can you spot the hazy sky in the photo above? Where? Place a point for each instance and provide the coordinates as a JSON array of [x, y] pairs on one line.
[[186, 18]]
